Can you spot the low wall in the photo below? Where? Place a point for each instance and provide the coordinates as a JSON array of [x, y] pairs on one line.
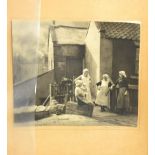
[[43, 82], [24, 92], [33, 91]]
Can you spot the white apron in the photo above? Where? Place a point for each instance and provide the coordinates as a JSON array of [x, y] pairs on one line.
[[103, 95]]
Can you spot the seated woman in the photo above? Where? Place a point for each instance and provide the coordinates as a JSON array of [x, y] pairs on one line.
[[81, 93], [103, 93], [85, 78]]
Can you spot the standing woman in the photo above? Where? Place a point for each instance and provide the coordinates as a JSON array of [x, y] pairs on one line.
[[123, 94], [103, 94], [85, 77]]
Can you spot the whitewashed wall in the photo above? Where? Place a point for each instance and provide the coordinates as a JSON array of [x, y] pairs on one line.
[[92, 55]]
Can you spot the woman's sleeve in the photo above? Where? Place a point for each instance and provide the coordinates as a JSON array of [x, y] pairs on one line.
[[98, 83], [116, 84], [78, 78], [111, 83]]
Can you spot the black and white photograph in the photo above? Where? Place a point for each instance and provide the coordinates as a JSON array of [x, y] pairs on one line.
[[76, 73]]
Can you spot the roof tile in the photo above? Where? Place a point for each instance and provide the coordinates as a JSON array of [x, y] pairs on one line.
[[120, 30]]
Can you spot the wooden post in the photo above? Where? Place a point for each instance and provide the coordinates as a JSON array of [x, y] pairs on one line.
[[50, 86], [73, 88]]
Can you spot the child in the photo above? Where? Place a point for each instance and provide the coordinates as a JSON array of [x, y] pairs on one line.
[[81, 93], [79, 90]]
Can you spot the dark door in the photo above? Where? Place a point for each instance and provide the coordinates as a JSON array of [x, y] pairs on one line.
[[73, 67], [124, 53], [60, 68]]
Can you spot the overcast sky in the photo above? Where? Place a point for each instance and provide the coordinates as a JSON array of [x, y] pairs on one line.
[[30, 38]]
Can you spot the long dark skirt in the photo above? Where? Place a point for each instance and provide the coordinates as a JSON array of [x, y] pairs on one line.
[[123, 103]]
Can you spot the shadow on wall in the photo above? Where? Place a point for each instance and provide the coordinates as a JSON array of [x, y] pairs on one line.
[[33, 91], [92, 67]]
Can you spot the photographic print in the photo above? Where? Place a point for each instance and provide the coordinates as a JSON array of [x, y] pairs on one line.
[[76, 73]]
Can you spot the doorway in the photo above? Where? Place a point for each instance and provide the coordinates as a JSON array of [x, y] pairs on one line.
[[73, 67]]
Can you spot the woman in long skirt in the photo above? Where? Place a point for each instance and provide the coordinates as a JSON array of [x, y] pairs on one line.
[[85, 78], [123, 104], [103, 93]]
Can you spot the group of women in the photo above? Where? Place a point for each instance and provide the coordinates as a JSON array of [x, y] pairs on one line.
[[104, 87]]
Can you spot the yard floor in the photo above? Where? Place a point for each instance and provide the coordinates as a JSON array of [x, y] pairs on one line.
[[98, 118]]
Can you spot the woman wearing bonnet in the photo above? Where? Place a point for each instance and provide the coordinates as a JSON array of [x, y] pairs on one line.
[[103, 93], [123, 94], [85, 78]]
